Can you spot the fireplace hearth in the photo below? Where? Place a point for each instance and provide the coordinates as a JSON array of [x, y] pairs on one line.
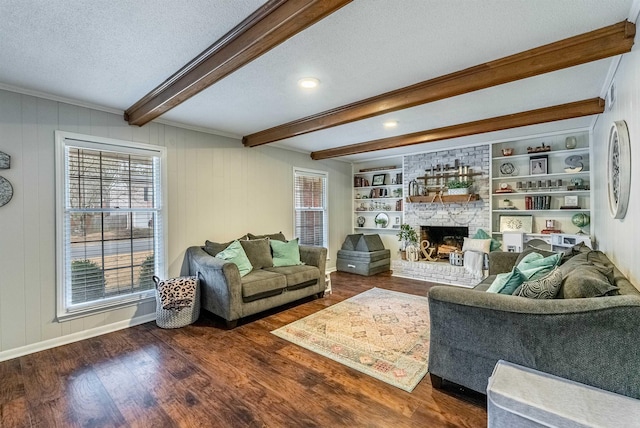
[[444, 239]]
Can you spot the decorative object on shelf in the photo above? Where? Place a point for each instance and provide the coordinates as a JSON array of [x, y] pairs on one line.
[[6, 189], [538, 165], [399, 178], [570, 203], [516, 223], [539, 149], [382, 220], [581, 220], [378, 179], [508, 151], [506, 203], [550, 227], [358, 195], [508, 169], [619, 169], [413, 188], [571, 142], [574, 164], [506, 188], [459, 187], [361, 221]]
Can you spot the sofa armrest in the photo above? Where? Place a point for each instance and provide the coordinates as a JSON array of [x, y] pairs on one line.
[[586, 340], [315, 256], [220, 283], [501, 262]]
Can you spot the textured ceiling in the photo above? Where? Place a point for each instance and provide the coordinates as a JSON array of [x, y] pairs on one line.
[[113, 53]]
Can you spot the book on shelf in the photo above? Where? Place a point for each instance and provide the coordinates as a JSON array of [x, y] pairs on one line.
[[360, 182]]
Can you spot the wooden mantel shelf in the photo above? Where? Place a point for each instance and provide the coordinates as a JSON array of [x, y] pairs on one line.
[[441, 199]]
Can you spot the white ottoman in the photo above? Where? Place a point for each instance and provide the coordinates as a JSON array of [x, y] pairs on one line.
[[522, 397]]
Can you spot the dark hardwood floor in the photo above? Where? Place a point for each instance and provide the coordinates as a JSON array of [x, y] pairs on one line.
[[206, 376]]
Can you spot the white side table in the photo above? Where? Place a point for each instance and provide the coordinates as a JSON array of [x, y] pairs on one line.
[[522, 397], [327, 282]]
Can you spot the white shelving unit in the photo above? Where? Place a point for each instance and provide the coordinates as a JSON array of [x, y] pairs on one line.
[[547, 190], [371, 202]]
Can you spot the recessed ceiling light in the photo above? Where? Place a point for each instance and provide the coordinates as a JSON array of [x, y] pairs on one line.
[[390, 124], [308, 82]]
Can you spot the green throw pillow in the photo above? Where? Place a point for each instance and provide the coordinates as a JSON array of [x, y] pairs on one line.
[[236, 255], [506, 283], [481, 234], [285, 253], [535, 265]]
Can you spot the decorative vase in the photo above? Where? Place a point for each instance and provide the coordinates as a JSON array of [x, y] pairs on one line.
[[570, 143], [403, 255]]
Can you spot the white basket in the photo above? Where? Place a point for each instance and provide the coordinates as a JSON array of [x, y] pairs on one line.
[[170, 318]]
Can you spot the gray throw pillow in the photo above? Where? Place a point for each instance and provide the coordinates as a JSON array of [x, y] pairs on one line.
[[542, 288], [276, 236], [213, 248], [258, 252], [586, 281]]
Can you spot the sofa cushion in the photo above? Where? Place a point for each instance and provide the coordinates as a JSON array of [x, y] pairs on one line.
[[542, 288], [276, 236], [586, 281], [236, 255], [506, 283], [261, 283], [533, 250], [213, 248], [258, 252], [370, 243], [297, 276], [481, 234], [534, 265], [351, 242], [285, 253], [479, 245]]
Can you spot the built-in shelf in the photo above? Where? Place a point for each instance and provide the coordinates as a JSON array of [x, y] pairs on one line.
[[567, 211], [541, 176]]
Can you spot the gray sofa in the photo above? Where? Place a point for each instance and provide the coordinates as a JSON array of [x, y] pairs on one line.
[[593, 340], [226, 294]]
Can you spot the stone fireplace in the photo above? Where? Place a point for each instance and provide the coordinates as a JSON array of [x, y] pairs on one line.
[[444, 239]]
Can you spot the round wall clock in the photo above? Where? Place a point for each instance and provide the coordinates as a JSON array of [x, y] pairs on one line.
[[619, 169], [6, 191]]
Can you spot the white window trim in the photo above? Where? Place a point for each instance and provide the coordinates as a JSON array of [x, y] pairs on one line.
[[81, 310], [325, 175]]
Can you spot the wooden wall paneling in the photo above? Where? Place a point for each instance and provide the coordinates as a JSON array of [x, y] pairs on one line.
[[192, 143], [32, 234], [12, 247], [47, 120], [204, 190]]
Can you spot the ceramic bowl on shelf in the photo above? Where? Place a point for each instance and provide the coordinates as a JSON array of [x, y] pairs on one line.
[[507, 152]]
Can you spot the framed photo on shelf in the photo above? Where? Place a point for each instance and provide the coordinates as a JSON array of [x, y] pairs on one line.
[[537, 165], [378, 180], [516, 223]]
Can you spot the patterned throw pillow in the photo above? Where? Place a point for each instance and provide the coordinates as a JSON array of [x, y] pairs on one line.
[[542, 288]]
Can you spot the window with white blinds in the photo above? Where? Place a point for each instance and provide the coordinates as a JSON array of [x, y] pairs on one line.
[[110, 222], [310, 200]]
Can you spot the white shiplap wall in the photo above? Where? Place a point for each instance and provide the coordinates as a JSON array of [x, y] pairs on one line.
[[620, 239], [218, 190]]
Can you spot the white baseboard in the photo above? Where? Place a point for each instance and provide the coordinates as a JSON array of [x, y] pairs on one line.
[[74, 337]]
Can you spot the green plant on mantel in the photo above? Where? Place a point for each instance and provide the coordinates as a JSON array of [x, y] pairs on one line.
[[454, 184], [407, 235]]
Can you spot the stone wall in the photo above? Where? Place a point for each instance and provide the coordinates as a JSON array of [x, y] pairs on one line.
[[475, 215]]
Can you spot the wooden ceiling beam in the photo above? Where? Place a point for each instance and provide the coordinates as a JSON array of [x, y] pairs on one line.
[[598, 44], [270, 25], [531, 117]]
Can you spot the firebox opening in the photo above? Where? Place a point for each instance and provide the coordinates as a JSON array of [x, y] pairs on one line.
[[445, 239]]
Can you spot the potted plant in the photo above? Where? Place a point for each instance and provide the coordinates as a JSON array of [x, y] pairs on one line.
[[407, 236], [455, 187], [381, 222]]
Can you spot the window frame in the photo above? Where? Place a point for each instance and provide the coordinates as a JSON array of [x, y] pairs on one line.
[[325, 176], [63, 139]]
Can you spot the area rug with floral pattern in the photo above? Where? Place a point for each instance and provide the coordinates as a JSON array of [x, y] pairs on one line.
[[382, 333]]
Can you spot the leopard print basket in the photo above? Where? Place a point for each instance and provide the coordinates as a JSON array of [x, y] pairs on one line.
[[179, 316]]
